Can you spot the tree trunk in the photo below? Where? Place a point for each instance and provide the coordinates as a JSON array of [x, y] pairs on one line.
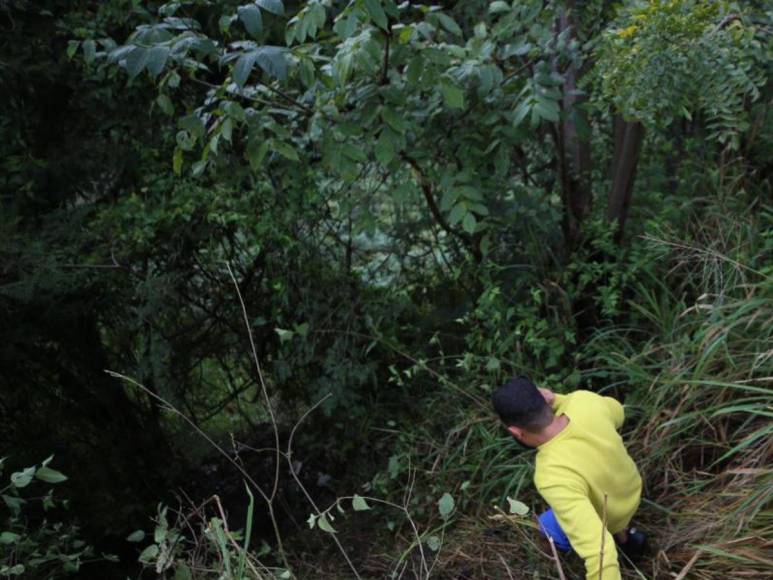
[[573, 146], [629, 136]]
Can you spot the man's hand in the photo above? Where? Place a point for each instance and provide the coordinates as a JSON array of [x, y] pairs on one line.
[[548, 395]]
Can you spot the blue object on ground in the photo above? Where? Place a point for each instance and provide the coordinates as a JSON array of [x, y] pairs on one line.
[[550, 527]]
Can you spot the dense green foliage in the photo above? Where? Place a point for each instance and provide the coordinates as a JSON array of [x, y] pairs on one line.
[[308, 238]]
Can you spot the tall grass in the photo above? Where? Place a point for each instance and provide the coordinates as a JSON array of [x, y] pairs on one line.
[[692, 357], [699, 399]]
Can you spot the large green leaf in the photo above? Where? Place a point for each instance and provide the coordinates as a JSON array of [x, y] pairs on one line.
[[273, 6], [359, 504], [136, 536], [393, 119], [269, 58], [376, 13], [137, 60], [243, 67], [157, 57], [385, 149], [23, 478], [50, 475], [517, 507], [251, 18], [452, 95], [149, 554], [445, 505], [89, 50], [9, 538], [324, 524], [272, 60], [469, 223], [449, 24]]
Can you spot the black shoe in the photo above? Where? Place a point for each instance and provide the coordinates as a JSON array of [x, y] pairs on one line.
[[635, 547]]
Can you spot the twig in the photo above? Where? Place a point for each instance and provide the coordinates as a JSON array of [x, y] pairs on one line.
[[272, 417], [683, 573], [510, 574], [289, 457], [603, 537], [555, 557]]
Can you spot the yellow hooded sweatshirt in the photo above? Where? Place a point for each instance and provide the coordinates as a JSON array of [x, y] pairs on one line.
[[574, 470]]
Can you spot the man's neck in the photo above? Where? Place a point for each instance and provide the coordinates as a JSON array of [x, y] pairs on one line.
[[559, 424]]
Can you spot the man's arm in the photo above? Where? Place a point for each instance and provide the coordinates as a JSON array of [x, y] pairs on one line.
[[616, 410], [582, 525]]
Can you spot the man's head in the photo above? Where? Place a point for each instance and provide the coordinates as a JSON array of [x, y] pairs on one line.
[[523, 410]]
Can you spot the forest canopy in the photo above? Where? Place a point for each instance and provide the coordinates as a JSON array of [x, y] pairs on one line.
[[263, 263]]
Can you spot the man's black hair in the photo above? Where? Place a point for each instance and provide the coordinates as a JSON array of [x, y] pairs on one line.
[[520, 404]]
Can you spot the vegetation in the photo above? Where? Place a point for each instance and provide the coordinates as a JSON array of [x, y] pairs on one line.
[[261, 264]]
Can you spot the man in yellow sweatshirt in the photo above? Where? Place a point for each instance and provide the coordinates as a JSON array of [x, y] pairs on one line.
[[582, 470]]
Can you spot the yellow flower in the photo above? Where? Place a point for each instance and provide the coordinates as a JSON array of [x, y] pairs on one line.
[[626, 32]]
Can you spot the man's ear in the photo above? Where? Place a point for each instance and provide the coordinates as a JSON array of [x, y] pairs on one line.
[[517, 432]]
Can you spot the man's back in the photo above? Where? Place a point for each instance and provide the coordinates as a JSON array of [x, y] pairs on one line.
[[579, 466]]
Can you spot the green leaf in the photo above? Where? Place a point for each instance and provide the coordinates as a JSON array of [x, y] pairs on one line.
[[159, 534], [89, 50], [198, 168], [458, 213], [286, 150], [516, 507], [50, 475], [469, 223], [136, 61], [22, 478], [255, 153], [414, 70], [273, 6], [376, 13], [243, 67], [182, 571], [394, 120], [312, 521], [284, 335], [385, 150], [449, 24], [157, 57], [497, 7], [324, 524], [136, 536], [224, 23], [72, 48], [434, 543], [359, 504], [449, 198], [251, 18], [354, 152], [548, 110], [9, 538], [149, 554], [452, 95], [272, 60], [165, 104], [306, 72], [13, 503], [16, 570], [479, 209], [445, 505], [177, 161], [492, 364], [523, 109], [193, 124]]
